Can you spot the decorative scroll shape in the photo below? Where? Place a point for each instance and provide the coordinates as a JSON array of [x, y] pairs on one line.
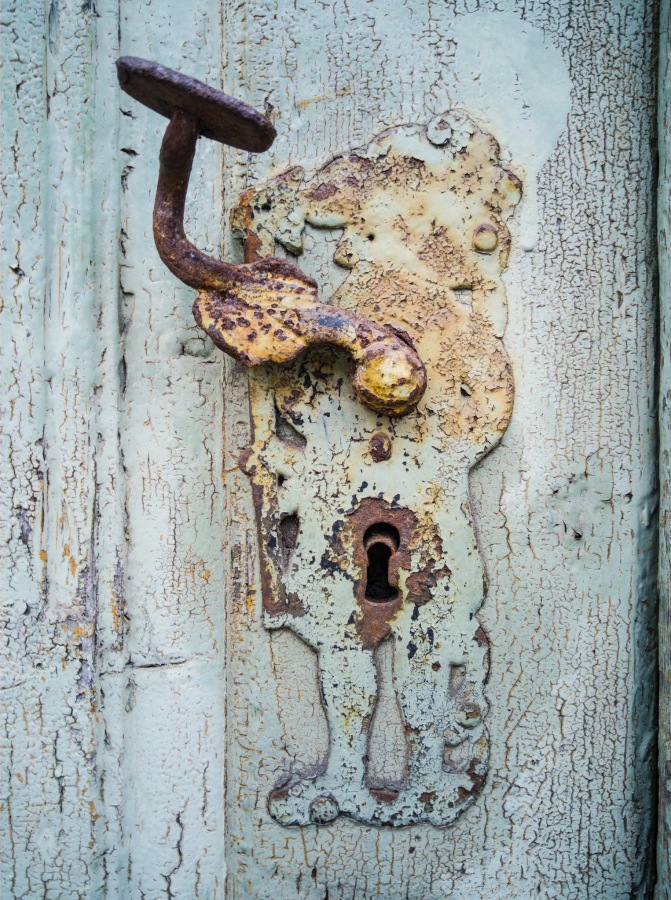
[[364, 521]]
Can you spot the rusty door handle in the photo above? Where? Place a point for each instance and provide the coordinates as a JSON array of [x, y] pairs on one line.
[[265, 311]]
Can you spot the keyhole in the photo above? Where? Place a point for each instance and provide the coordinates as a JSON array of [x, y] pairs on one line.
[[381, 542], [377, 574]]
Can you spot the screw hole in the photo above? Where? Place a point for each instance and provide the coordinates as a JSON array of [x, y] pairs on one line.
[[288, 536], [286, 431]]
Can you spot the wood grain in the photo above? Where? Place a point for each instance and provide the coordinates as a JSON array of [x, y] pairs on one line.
[[664, 239], [137, 675]]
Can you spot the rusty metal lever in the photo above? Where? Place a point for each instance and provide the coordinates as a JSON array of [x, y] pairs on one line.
[[266, 311]]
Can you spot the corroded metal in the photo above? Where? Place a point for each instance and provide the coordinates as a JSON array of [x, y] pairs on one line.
[[265, 311], [365, 526], [363, 513]]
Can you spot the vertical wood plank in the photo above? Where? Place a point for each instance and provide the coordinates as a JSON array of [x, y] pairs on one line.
[[112, 573], [57, 322], [664, 250], [173, 679]]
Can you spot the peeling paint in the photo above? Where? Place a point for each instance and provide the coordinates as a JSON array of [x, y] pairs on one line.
[[500, 47], [383, 545], [112, 443]]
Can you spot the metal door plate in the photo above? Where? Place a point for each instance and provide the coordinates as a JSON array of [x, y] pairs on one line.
[[364, 520]]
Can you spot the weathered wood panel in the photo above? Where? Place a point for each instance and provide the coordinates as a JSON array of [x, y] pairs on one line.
[[565, 506], [59, 199], [133, 610], [112, 572], [664, 238]]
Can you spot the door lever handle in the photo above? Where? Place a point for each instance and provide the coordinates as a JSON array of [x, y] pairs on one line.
[[264, 311]]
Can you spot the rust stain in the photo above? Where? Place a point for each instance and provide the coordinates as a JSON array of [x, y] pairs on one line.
[[303, 104], [359, 461], [80, 629], [381, 544], [265, 311], [72, 562], [380, 447]]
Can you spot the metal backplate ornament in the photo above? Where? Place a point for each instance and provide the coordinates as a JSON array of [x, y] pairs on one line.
[[368, 413], [365, 526]]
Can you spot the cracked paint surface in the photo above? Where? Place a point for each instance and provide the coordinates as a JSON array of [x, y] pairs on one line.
[[566, 615], [116, 738]]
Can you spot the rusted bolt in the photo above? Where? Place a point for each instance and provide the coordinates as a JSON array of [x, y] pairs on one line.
[[324, 809], [469, 715], [380, 446], [267, 310], [486, 238]]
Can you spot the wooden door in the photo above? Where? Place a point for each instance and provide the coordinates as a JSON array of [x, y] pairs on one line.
[[149, 712]]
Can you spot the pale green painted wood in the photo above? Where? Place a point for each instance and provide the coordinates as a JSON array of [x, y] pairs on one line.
[[112, 574], [173, 683], [59, 227], [126, 547], [565, 505]]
